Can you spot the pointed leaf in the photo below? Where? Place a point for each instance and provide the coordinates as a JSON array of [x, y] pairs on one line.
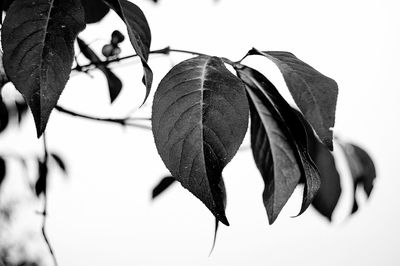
[[95, 10], [314, 93], [276, 124], [200, 116], [165, 183], [139, 34], [2, 170], [114, 83], [38, 41]]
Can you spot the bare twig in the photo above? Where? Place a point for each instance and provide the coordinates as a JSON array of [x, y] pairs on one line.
[[167, 50], [44, 214], [128, 121]]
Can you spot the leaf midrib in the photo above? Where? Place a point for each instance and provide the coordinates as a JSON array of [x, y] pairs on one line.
[[41, 56]]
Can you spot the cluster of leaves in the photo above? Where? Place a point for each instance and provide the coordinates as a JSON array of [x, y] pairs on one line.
[[200, 109]]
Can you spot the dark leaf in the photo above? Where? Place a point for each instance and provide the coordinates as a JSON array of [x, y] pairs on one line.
[[279, 144], [59, 161], [362, 170], [41, 183], [22, 109], [95, 10], [114, 83], [4, 115], [314, 93], [330, 190], [5, 4], [217, 222], [139, 34], [165, 183], [200, 117], [2, 170], [38, 41]]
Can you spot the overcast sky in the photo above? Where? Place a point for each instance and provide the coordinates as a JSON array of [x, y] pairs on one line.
[[102, 214]]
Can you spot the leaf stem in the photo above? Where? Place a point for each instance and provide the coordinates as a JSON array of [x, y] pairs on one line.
[[121, 121]]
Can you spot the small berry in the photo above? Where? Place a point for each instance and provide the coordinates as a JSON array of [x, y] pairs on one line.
[[117, 37]]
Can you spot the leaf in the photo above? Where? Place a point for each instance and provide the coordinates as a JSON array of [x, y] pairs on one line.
[[41, 183], [330, 190], [314, 93], [60, 162], [95, 10], [139, 34], [4, 115], [200, 117], [216, 220], [38, 41], [279, 144], [114, 83], [2, 170], [165, 183], [362, 169]]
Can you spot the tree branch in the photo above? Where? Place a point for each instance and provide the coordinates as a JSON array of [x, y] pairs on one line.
[[121, 121]]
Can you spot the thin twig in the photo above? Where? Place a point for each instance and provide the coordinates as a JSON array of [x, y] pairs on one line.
[[166, 51], [44, 214], [121, 121]]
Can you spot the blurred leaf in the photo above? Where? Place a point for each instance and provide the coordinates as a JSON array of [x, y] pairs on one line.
[[165, 183], [200, 117], [60, 162], [362, 169], [95, 10], [279, 144], [314, 93], [2, 170], [38, 41], [41, 183], [139, 34], [114, 83], [22, 109], [216, 220], [4, 115]]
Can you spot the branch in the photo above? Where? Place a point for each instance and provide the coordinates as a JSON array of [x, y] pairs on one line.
[[167, 50], [44, 214], [121, 121]]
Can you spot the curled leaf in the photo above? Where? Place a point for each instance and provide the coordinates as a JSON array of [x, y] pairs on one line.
[[139, 34], [200, 117], [314, 93], [279, 144]]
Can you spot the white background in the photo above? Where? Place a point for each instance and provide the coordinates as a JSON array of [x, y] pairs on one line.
[[102, 213]]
